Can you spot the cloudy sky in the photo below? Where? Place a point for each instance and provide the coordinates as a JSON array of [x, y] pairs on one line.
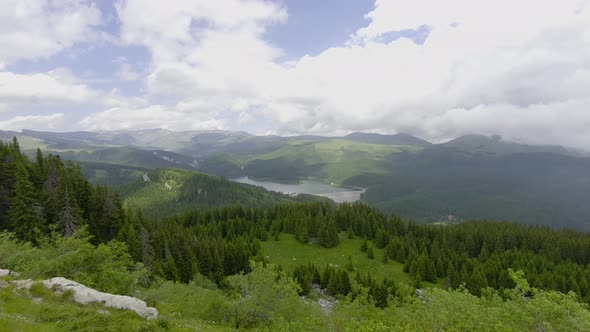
[[435, 69]]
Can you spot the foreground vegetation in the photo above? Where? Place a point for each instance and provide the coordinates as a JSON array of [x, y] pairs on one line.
[[268, 299], [232, 267]]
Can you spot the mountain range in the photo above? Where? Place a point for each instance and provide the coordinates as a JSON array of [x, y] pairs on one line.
[[473, 176]]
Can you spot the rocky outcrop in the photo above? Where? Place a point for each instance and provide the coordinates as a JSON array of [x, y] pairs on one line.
[[85, 295], [4, 273]]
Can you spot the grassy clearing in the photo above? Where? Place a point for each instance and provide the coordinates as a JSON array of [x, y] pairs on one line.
[[288, 252]]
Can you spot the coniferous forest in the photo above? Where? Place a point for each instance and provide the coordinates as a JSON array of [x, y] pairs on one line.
[[207, 267]]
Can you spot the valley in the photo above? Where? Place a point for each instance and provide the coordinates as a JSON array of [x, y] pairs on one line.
[[470, 177]]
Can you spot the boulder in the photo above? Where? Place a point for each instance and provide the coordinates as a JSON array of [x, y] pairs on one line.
[[85, 295]]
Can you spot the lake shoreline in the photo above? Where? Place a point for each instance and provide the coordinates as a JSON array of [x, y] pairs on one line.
[[338, 194]]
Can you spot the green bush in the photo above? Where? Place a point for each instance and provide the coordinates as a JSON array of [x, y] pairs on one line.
[[106, 267]]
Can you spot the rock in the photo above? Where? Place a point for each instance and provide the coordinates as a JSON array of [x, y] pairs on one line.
[[85, 295], [420, 295], [327, 304], [25, 283], [4, 273]]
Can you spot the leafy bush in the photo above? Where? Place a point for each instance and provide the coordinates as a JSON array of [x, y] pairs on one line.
[[106, 267]]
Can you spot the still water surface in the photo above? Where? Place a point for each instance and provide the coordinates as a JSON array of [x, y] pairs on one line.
[[338, 194]]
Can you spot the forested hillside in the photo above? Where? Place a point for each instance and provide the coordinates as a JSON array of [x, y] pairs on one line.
[[212, 269], [165, 192], [485, 179], [471, 177], [49, 195]]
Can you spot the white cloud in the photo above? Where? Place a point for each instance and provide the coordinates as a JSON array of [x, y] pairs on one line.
[[58, 86], [32, 122], [173, 28], [114, 98], [487, 67], [126, 73], [31, 29], [154, 116]]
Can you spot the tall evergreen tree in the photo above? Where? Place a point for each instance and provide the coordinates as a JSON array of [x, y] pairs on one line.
[[25, 220], [69, 216]]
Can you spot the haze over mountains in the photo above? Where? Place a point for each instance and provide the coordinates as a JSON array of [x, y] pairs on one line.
[[469, 177]]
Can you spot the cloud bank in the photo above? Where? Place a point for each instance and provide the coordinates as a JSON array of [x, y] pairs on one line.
[[518, 69]]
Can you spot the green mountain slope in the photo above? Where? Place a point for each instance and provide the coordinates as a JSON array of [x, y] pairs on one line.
[[470, 177], [525, 186], [169, 191], [397, 139], [131, 157], [111, 174], [332, 161]]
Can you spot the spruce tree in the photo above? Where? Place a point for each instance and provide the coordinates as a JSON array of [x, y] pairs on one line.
[[364, 245], [25, 220], [370, 253], [69, 216]]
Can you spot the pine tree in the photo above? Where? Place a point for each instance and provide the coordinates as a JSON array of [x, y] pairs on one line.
[[147, 251], [15, 146], [370, 253], [69, 216], [25, 220], [477, 281], [170, 269], [364, 245], [344, 285], [302, 232], [348, 266]]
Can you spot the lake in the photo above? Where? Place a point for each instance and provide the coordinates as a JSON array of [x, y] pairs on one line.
[[337, 194]]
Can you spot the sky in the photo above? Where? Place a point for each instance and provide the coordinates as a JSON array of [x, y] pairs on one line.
[[434, 69]]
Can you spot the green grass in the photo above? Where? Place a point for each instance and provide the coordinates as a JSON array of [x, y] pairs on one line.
[[288, 252], [21, 311]]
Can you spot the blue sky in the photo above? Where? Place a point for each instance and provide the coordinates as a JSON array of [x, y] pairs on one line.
[[435, 70]]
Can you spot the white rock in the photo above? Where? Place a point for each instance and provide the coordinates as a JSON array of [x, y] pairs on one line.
[[4, 273], [85, 295], [24, 283]]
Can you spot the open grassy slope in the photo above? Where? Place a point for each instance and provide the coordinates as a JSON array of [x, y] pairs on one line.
[[288, 252]]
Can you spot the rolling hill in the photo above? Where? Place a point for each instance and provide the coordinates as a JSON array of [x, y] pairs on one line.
[[472, 176], [169, 191]]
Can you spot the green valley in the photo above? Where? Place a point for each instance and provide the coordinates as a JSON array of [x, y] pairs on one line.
[[470, 177]]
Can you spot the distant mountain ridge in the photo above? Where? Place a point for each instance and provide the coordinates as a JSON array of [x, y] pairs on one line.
[[495, 145], [200, 142], [397, 139], [473, 176]]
